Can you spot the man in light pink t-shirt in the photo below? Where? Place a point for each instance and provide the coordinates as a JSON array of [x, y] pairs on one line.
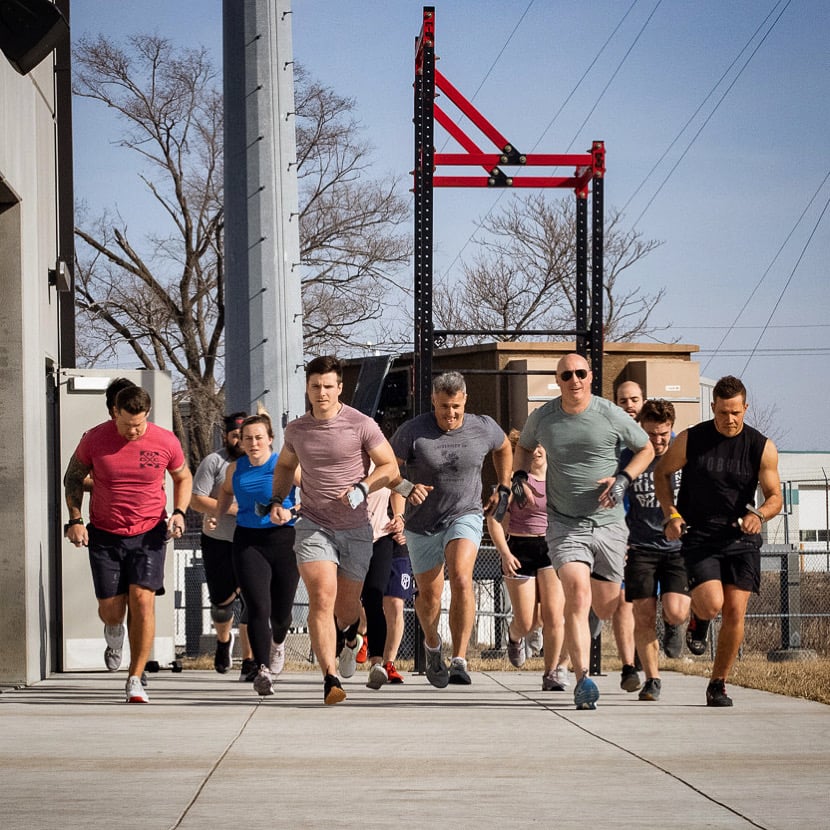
[[333, 445]]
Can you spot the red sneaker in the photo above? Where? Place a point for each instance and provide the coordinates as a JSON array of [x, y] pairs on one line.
[[392, 673], [362, 651]]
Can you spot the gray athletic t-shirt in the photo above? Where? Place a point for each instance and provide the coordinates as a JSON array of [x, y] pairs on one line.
[[450, 461], [209, 477], [581, 449]]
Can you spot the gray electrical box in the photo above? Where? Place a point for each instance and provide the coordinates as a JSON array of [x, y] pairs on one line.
[[82, 405]]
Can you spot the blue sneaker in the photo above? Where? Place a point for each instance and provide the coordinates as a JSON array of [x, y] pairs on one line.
[[586, 693]]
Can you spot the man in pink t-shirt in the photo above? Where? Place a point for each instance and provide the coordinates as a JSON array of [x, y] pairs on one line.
[[129, 527], [333, 445]]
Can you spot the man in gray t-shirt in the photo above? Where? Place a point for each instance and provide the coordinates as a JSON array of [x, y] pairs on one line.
[[444, 451], [587, 535]]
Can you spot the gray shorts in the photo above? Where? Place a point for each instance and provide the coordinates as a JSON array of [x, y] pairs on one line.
[[350, 550], [601, 548]]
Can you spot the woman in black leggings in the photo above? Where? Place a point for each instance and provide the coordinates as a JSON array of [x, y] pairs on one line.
[[263, 553]]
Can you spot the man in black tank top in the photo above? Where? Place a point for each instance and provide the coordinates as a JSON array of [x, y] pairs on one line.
[[724, 461]]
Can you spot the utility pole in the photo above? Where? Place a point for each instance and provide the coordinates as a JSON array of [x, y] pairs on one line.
[[263, 306]]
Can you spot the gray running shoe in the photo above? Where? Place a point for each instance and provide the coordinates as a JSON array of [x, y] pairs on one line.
[[651, 689], [277, 658], [437, 673], [114, 636], [135, 691], [516, 652], [377, 677], [262, 682], [534, 643], [348, 657], [672, 640], [556, 680], [458, 672]]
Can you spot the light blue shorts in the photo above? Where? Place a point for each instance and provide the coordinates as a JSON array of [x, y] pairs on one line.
[[602, 549], [426, 551], [350, 550]]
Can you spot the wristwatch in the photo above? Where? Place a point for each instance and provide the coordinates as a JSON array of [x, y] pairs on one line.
[[78, 521]]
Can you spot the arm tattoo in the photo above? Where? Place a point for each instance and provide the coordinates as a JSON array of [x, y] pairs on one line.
[[73, 482]]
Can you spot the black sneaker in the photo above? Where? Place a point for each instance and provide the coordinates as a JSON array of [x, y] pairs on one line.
[[332, 690], [629, 679], [651, 689], [696, 635], [249, 671], [222, 660], [716, 694], [672, 640]]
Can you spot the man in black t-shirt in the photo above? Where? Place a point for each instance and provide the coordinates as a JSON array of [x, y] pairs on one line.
[[723, 462]]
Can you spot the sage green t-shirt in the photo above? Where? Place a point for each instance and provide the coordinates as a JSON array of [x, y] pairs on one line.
[[581, 449]]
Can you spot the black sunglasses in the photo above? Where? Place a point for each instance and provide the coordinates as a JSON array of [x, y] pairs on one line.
[[569, 373]]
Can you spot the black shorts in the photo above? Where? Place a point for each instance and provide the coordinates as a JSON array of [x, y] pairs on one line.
[[217, 555], [120, 561], [532, 552], [730, 564], [649, 573]]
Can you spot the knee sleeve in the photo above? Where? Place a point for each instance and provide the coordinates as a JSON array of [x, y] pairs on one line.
[[222, 613]]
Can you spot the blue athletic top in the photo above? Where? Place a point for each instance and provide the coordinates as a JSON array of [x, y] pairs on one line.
[[255, 484]]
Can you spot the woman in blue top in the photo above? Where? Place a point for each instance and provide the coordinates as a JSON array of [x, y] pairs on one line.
[[263, 553]]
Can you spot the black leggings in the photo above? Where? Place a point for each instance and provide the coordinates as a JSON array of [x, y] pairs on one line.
[[266, 567], [374, 588]]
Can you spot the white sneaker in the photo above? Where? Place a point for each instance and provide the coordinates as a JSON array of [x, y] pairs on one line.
[[135, 692], [114, 636], [377, 677], [277, 658], [348, 657], [262, 682]]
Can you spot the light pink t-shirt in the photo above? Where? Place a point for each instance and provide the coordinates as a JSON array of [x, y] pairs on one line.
[[334, 455]]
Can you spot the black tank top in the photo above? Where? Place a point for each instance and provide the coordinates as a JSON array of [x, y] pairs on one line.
[[719, 479]]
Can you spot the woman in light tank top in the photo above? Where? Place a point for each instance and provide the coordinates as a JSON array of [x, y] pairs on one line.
[[530, 577]]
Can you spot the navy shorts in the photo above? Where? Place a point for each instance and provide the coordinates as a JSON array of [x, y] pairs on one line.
[[120, 561], [401, 584]]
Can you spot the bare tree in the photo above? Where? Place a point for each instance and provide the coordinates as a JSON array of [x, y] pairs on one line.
[[523, 275], [162, 299]]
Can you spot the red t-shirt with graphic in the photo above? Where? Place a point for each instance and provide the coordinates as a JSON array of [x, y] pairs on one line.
[[128, 495]]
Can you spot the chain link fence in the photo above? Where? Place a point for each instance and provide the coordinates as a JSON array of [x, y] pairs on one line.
[[791, 612]]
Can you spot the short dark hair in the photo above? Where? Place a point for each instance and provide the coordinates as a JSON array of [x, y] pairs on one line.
[[133, 400], [114, 388], [658, 411], [233, 421], [729, 387], [323, 365]]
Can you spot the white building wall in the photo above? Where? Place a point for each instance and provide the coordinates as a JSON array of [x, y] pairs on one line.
[[28, 339]]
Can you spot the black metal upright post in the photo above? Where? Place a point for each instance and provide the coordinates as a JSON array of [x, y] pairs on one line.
[[424, 164], [596, 337], [581, 271]]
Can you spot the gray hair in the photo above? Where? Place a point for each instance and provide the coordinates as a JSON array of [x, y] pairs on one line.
[[451, 383]]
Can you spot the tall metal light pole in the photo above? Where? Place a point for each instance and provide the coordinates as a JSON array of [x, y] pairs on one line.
[[263, 308]]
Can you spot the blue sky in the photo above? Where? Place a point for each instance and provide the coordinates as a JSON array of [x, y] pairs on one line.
[[725, 212]]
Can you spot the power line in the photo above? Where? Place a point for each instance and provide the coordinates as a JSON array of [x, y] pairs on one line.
[[700, 107], [769, 267], [711, 114], [789, 280]]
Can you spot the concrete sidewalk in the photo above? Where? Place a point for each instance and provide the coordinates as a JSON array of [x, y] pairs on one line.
[[208, 753]]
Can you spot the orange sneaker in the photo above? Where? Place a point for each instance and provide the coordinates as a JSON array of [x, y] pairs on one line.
[[392, 673], [362, 651]]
